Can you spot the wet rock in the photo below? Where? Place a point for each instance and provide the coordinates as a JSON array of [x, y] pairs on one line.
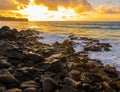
[[107, 49], [70, 64], [69, 45], [93, 89], [108, 88], [8, 79], [95, 63], [6, 32], [115, 85], [5, 28], [56, 66], [118, 84], [93, 48], [87, 77], [4, 63], [61, 75], [105, 78], [34, 57], [71, 82], [68, 88], [105, 44], [15, 54], [30, 90], [111, 71], [49, 85], [85, 86], [2, 88], [74, 74], [26, 73], [13, 90], [28, 84]]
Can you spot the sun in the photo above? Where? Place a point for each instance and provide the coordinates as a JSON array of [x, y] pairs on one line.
[[41, 13], [34, 12]]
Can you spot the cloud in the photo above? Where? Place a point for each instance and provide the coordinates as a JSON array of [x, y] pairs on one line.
[[9, 13], [78, 5], [23, 1], [7, 5], [13, 4], [108, 10]]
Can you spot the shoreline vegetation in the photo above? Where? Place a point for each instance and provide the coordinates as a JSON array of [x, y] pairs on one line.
[[27, 65], [12, 19]]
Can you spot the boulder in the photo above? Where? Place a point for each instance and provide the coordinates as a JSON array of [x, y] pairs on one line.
[[49, 85], [93, 48], [7, 78], [2, 88], [26, 73], [68, 88], [4, 63], [56, 66], [6, 33], [87, 77], [28, 84], [85, 86], [108, 88], [13, 90], [30, 90], [34, 57], [71, 82], [15, 54], [5, 28]]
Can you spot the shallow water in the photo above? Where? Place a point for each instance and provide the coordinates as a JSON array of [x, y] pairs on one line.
[[59, 31]]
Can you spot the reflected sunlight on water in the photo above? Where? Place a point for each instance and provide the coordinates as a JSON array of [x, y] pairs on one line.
[[109, 30]]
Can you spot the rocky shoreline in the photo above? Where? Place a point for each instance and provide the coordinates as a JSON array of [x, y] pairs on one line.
[[27, 65]]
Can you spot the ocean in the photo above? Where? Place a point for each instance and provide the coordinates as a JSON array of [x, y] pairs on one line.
[[60, 30]]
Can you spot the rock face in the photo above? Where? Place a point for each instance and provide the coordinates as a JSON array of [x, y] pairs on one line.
[[27, 65]]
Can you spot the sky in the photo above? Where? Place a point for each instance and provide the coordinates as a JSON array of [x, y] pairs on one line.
[[62, 10]]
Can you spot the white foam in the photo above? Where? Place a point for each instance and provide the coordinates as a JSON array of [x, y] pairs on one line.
[[51, 38], [78, 45], [111, 57]]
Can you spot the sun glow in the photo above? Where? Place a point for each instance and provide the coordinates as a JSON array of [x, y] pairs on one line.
[[35, 13]]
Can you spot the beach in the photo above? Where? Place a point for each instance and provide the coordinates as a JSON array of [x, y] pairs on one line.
[[34, 61]]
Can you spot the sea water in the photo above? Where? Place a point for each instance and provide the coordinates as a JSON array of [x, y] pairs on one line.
[[60, 30]]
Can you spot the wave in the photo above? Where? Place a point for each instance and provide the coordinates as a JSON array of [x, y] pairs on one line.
[[90, 27]]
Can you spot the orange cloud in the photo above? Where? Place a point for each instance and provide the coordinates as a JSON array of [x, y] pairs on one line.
[[7, 5], [58, 10], [9, 13], [78, 5], [23, 1], [13, 4]]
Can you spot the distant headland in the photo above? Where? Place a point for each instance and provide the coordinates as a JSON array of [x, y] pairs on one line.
[[12, 19]]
